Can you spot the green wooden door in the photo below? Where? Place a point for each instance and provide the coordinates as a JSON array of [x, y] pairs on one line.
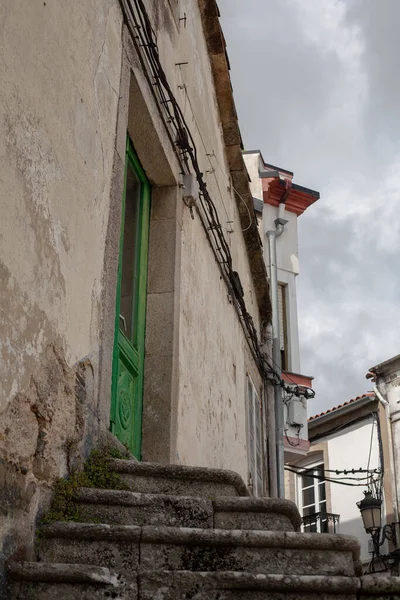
[[128, 358]]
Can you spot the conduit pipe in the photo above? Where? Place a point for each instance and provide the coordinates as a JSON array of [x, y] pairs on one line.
[[272, 236], [270, 446]]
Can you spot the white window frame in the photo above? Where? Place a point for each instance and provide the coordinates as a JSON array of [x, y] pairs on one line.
[[319, 501], [255, 439]]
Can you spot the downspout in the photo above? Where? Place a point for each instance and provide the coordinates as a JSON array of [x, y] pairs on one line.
[[270, 446], [393, 466], [272, 236]]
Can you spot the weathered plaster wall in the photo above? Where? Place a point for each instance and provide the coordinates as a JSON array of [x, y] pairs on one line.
[[213, 352], [61, 183], [60, 71], [193, 86], [214, 361], [206, 353]]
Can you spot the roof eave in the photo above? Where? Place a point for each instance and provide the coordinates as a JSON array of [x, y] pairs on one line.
[[298, 199], [382, 366], [233, 147], [334, 414]]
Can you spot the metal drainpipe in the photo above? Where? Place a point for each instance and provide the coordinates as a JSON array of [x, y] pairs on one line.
[[270, 422], [272, 235]]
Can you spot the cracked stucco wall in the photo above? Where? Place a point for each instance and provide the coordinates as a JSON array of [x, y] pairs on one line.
[[60, 72], [214, 357]]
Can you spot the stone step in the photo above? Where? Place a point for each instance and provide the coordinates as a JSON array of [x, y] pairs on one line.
[[48, 581], [132, 508], [269, 514], [181, 585], [179, 480], [265, 552], [112, 546], [185, 549]]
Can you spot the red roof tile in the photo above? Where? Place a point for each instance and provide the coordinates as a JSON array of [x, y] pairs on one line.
[[367, 395]]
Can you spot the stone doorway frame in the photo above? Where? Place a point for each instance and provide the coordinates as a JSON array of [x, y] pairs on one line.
[[138, 115]]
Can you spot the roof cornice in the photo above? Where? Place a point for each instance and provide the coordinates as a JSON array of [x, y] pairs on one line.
[[216, 47]]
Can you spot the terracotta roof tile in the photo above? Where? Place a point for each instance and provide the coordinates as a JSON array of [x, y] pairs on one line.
[[367, 395]]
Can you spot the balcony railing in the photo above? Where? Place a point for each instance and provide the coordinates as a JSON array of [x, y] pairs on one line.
[[321, 522]]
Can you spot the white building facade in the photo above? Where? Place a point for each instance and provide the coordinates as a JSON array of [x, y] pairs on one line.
[[349, 454], [276, 195]]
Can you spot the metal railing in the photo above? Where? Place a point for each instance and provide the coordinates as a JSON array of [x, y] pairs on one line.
[[321, 522]]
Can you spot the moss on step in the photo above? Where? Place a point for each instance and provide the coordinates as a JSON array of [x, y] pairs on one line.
[[96, 474]]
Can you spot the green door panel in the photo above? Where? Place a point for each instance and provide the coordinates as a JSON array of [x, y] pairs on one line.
[[128, 356]]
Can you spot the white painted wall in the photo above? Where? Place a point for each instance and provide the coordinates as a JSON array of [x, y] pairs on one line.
[[288, 269], [348, 450], [253, 162], [287, 243], [287, 256]]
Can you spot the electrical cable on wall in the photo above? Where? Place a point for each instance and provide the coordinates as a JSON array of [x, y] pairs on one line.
[[309, 473], [331, 480], [353, 471], [213, 155], [206, 151], [145, 42]]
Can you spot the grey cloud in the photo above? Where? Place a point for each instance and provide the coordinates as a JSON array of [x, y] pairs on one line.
[[353, 289], [379, 27], [278, 78], [286, 89]]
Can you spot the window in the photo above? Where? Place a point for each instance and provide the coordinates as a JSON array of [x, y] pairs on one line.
[[255, 443], [313, 500], [283, 326]]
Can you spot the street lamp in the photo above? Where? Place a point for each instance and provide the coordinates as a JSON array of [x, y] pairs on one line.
[[370, 509]]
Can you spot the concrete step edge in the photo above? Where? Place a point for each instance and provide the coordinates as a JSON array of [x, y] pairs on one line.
[[225, 580], [180, 472], [239, 537], [91, 531], [128, 498], [118, 498], [61, 573], [259, 505], [204, 537]]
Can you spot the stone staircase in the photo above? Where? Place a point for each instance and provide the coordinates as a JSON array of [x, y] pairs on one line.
[[183, 533]]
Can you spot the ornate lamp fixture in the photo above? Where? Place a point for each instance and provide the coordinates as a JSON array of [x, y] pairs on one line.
[[370, 508]]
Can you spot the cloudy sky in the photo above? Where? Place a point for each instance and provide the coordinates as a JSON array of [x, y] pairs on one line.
[[317, 90]]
